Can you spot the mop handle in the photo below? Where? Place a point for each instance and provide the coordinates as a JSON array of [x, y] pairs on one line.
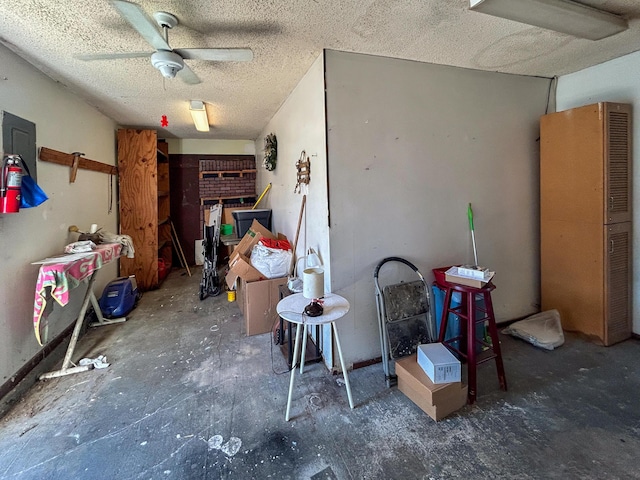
[[473, 235]]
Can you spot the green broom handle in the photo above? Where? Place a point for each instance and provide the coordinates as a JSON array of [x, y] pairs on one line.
[[473, 234]]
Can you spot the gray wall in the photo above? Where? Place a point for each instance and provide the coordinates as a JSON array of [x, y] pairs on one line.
[[64, 123], [409, 146]]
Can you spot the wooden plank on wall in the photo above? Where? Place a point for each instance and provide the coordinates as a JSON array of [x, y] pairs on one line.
[[67, 159]]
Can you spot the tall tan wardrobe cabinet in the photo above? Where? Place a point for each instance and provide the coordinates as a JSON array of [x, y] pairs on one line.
[[143, 175], [585, 211]]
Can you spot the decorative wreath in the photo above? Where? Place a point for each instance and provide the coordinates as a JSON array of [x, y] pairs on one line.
[[270, 152]]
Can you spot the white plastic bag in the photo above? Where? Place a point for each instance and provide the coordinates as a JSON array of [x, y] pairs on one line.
[[271, 262], [542, 330]]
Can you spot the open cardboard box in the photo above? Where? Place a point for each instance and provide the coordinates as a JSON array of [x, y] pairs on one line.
[[240, 267], [257, 296], [239, 263], [251, 238]]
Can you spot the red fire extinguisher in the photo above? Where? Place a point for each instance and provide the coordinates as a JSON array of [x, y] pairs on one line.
[[10, 184]]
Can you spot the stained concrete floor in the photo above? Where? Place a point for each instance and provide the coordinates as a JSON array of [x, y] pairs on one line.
[[187, 396]]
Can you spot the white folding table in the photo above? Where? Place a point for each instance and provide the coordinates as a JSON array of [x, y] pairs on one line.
[[291, 308]]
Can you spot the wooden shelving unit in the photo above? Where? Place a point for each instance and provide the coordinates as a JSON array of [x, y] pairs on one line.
[[247, 199], [143, 174], [226, 173], [165, 243]]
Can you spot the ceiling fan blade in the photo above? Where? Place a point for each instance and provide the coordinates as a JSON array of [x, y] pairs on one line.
[[112, 56], [139, 20], [188, 76], [216, 54]]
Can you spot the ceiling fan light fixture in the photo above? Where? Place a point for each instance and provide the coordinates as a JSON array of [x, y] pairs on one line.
[[199, 115], [565, 16], [169, 63]]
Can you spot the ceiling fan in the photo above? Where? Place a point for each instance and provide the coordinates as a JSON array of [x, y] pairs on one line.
[[170, 61]]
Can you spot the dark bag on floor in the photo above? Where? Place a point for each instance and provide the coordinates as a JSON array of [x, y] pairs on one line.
[[31, 195]]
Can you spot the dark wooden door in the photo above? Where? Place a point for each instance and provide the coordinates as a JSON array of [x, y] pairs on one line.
[[185, 202]]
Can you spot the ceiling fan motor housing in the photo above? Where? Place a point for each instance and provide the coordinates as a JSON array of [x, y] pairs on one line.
[[169, 63]]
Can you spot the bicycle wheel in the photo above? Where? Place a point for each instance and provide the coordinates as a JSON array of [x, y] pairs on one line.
[[214, 286]]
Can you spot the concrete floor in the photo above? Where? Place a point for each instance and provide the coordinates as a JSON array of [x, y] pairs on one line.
[[187, 396]]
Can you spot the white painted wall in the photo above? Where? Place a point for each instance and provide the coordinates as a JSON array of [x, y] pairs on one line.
[[299, 125], [614, 81], [211, 147], [409, 146], [64, 123]]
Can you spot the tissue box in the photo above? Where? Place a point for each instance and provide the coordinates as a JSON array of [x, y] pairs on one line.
[[440, 365], [453, 276], [475, 272]]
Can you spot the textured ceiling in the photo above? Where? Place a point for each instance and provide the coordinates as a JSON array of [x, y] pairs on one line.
[[286, 36]]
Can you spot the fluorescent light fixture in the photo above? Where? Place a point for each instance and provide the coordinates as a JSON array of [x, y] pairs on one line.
[[564, 16], [199, 115]]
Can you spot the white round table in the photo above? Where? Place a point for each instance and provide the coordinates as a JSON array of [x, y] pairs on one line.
[[291, 309]]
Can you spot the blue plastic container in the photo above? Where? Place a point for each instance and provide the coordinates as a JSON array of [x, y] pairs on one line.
[[119, 297], [453, 322]]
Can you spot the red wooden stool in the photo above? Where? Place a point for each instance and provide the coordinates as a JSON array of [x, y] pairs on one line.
[[472, 347]]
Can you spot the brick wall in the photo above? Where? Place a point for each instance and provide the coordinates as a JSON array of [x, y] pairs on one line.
[[228, 185], [232, 163], [227, 177]]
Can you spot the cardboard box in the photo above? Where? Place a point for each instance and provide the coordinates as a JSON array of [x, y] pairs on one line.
[[239, 263], [240, 266], [440, 365], [436, 400], [257, 301], [251, 238]]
